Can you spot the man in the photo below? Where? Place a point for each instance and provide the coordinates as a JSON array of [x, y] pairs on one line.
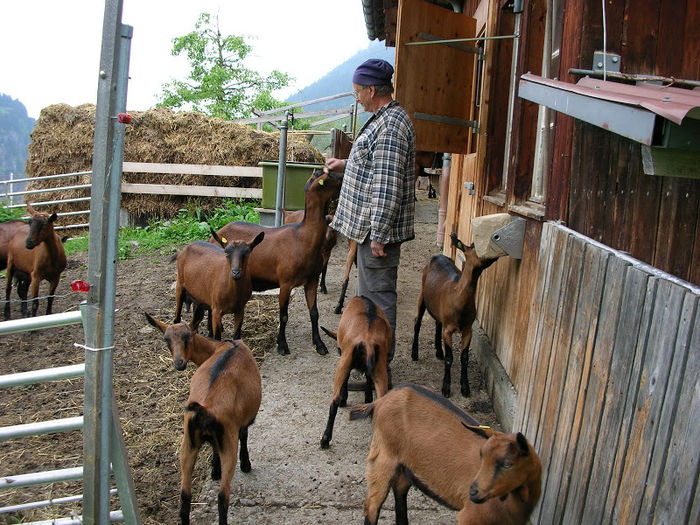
[[377, 200]]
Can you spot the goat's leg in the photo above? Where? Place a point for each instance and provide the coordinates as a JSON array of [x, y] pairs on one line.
[[243, 454], [350, 259], [438, 340], [464, 361], [188, 457], [180, 294], [282, 346], [447, 379], [238, 323], [49, 299], [310, 291], [416, 326], [380, 471], [340, 396], [322, 286], [23, 291], [199, 310], [10, 274], [227, 452], [216, 323], [400, 488], [34, 290], [215, 465]]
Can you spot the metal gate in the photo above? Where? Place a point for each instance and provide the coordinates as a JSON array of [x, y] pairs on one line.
[[104, 452]]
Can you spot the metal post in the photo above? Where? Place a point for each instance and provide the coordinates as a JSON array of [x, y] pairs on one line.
[[281, 170], [99, 431]]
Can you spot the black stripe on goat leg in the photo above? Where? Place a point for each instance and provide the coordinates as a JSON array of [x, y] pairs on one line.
[[438, 341], [464, 362], [447, 378], [310, 291], [243, 454], [282, 346]]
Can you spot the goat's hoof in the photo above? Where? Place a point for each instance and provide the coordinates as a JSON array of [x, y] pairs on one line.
[[324, 290], [338, 309], [466, 392], [321, 349], [325, 442], [414, 354], [245, 467], [281, 350], [446, 392], [440, 356]]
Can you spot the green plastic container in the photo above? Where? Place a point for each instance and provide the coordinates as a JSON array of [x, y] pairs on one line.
[[297, 175]]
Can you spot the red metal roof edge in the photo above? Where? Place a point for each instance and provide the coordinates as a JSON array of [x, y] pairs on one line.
[[672, 104]]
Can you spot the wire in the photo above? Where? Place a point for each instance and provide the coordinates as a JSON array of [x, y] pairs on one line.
[[605, 45]]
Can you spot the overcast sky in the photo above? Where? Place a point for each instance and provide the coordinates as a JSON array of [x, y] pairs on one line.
[[50, 49]]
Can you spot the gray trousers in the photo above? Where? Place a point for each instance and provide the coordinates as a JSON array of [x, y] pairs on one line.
[[376, 280]]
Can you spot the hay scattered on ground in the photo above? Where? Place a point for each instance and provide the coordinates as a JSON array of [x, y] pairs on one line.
[[62, 142]]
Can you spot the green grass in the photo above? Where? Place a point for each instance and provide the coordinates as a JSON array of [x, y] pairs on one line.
[[166, 236]]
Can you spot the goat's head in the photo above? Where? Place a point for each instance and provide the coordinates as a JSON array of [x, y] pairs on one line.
[[40, 227], [179, 338], [507, 464], [237, 253], [321, 181]]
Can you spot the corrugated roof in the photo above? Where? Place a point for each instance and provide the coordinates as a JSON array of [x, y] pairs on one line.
[[669, 102]]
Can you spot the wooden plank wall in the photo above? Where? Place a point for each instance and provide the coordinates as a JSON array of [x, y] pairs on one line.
[[611, 393]]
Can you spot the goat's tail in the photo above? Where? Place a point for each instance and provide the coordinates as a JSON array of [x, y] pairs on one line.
[[204, 423], [173, 257], [370, 358], [330, 333], [361, 411]]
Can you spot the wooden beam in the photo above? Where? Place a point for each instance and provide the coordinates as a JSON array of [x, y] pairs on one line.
[[192, 169], [192, 191]]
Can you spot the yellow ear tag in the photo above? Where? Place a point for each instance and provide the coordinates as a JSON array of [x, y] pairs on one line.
[[223, 239], [484, 426], [320, 183]]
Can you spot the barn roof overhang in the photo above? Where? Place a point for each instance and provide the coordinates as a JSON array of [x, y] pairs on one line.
[[631, 111], [665, 119]]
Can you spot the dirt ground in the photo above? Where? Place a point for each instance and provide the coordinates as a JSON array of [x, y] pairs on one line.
[[292, 480]]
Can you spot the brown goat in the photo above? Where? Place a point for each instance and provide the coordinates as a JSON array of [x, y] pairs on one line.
[[217, 278], [7, 231], [288, 256], [448, 294], [424, 440], [225, 395], [39, 254], [364, 339], [328, 245]]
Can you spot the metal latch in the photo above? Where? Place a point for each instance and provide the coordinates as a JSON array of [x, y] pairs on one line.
[[470, 187]]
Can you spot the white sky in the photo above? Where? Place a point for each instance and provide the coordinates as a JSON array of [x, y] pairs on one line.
[[50, 49]]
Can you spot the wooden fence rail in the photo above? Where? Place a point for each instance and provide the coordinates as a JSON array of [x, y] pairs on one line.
[[613, 392]]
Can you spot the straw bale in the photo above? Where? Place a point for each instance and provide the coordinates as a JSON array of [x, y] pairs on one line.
[[62, 142]]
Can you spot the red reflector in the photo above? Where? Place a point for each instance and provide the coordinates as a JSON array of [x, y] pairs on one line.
[[80, 286], [124, 118]]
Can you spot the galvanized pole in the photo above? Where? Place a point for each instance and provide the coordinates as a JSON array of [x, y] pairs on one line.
[[99, 429], [281, 170]]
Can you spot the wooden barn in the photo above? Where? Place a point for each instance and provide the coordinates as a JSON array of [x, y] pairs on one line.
[[579, 120]]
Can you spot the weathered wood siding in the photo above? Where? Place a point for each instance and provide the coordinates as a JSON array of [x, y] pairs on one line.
[[610, 389]]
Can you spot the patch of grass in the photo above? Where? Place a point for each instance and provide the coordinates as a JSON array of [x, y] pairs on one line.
[[9, 214], [167, 236]]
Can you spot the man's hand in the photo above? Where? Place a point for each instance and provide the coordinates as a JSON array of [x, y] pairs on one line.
[[333, 164], [377, 249]]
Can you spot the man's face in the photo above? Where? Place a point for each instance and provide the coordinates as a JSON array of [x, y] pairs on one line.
[[363, 95]]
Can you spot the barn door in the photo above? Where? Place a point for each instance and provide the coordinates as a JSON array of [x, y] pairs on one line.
[[433, 82]]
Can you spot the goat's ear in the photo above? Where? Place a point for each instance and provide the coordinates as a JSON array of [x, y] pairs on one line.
[[258, 239], [329, 333], [160, 325], [53, 217], [521, 441], [30, 209], [481, 430], [456, 242], [216, 237]]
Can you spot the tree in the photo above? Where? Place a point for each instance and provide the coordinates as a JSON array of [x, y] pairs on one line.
[[218, 83]]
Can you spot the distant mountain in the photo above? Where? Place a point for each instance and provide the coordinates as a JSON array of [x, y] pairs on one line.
[[15, 127], [339, 79]]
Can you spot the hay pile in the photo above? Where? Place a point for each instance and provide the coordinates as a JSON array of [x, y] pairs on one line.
[[62, 142]]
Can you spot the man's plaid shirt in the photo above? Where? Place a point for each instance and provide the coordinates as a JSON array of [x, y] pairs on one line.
[[378, 192]]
